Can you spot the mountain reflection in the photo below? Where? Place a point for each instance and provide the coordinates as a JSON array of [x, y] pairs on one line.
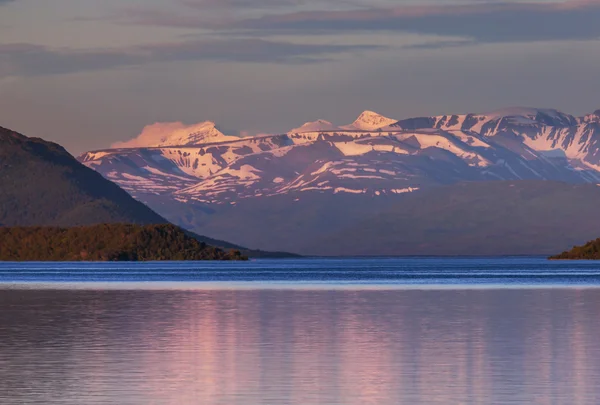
[[300, 347]]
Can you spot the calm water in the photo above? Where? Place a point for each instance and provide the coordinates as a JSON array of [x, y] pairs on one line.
[[302, 332]]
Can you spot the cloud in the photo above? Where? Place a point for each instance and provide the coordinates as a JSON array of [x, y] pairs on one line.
[[482, 22], [37, 60], [237, 4], [493, 22], [200, 14]]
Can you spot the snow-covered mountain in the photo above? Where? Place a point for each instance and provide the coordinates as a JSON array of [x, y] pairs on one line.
[[546, 131], [373, 156], [370, 121], [176, 134], [314, 126]]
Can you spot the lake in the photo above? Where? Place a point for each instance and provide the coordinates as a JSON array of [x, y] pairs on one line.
[[301, 332]]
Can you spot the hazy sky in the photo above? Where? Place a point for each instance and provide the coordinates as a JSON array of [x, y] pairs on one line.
[[87, 73]]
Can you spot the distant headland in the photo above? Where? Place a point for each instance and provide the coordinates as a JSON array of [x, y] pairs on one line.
[[589, 251]]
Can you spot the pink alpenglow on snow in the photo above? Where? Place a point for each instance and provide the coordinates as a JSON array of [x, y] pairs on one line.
[[176, 134]]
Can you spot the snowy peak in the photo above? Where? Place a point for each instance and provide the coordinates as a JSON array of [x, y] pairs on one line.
[[176, 134], [370, 121], [314, 126], [205, 132], [367, 121]]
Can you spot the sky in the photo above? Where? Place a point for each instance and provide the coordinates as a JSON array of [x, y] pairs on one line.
[[89, 73]]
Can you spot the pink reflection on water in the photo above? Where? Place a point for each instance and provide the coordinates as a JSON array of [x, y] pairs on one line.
[[300, 347]]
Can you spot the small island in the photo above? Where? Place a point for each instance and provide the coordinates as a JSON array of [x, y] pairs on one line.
[[109, 242], [589, 251]]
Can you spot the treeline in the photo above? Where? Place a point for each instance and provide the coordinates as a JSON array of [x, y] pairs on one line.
[[589, 251], [110, 242]]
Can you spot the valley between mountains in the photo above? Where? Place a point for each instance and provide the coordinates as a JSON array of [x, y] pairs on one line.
[[454, 184]]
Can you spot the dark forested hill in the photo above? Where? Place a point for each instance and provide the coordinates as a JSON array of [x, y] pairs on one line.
[[42, 184], [114, 242], [589, 251]]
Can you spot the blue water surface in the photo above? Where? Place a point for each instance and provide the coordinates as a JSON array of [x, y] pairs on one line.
[[429, 271]]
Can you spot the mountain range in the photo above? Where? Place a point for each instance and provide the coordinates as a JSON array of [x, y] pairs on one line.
[[198, 176]]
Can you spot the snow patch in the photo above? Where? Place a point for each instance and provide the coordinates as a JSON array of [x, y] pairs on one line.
[[353, 148], [158, 172], [348, 190], [404, 190]]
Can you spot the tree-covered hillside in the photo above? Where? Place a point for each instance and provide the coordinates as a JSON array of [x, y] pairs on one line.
[[113, 242], [589, 251]]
